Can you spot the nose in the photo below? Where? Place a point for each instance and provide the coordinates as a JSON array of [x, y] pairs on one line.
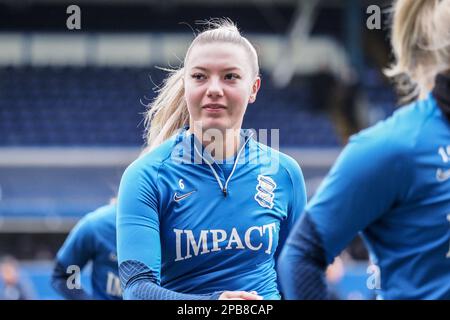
[[214, 88]]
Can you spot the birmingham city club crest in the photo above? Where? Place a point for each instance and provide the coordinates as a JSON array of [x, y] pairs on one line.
[[264, 195]]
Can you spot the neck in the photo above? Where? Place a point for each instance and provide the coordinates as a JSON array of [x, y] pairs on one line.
[[220, 144]]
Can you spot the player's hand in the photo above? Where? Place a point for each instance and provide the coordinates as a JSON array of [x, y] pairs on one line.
[[240, 295]]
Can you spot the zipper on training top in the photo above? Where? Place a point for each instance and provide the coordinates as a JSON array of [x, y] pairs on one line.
[[224, 188]]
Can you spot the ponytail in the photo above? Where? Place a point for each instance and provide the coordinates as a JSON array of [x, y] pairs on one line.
[[168, 112]]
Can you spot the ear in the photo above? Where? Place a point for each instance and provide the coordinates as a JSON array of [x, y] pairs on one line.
[[255, 87]]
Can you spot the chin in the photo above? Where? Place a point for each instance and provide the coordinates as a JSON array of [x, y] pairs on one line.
[[215, 124]]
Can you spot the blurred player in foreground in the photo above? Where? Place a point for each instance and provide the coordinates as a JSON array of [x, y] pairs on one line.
[[392, 181], [192, 224]]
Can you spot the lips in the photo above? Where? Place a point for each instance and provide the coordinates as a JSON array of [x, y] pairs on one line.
[[214, 107]]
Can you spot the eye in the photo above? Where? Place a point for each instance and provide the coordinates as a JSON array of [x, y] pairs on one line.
[[198, 76], [232, 76]]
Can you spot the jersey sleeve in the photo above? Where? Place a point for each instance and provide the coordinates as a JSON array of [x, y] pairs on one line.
[[138, 219], [297, 201], [367, 179]]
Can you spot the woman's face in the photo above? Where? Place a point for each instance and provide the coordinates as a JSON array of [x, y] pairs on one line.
[[219, 83]]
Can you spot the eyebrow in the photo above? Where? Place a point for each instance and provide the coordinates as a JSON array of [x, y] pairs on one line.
[[226, 69]]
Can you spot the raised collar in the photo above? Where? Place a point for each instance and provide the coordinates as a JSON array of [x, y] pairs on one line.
[[441, 93]]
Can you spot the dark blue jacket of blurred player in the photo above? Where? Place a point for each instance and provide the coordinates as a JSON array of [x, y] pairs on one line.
[[93, 239]]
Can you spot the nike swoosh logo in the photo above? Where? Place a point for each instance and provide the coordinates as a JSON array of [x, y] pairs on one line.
[[178, 197], [442, 175]]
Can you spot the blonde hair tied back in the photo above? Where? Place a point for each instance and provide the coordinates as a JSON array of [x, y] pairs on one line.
[[420, 39]]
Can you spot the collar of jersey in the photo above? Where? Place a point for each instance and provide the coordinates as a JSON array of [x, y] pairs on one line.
[[189, 140], [441, 93], [189, 143]]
